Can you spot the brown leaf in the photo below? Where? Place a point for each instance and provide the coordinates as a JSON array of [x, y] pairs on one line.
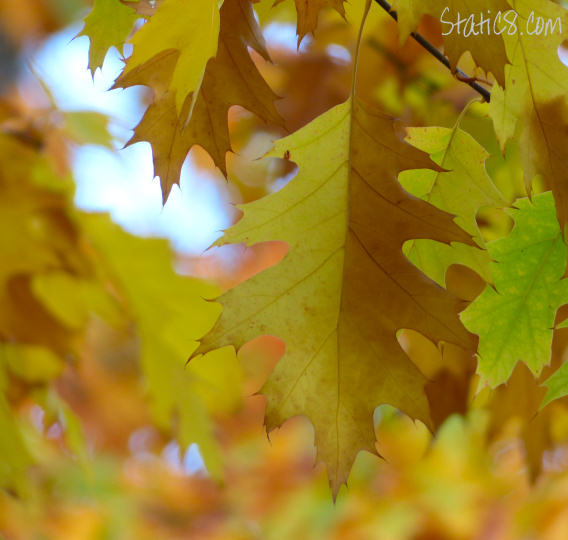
[[231, 78]]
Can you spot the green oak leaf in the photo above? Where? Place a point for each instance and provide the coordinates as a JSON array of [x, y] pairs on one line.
[[515, 318], [107, 25]]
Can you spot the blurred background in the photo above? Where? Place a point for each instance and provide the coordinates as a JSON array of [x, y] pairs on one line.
[[105, 433]]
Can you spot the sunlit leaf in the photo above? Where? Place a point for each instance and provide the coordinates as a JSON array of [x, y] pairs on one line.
[[514, 317]]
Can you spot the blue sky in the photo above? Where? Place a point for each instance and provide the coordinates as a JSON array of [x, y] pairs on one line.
[[121, 181]]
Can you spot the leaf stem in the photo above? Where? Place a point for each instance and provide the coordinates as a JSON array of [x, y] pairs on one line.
[[459, 74]]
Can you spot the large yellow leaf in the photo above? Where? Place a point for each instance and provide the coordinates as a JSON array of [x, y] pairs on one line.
[[487, 50], [167, 131], [533, 104], [189, 26], [345, 288]]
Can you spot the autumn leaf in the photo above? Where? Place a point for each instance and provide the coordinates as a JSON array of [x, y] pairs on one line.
[[487, 49], [344, 289], [181, 26], [532, 105], [461, 189], [359, 262], [514, 318], [167, 131], [107, 25]]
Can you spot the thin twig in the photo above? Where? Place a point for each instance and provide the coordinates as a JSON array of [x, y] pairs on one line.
[[460, 75]]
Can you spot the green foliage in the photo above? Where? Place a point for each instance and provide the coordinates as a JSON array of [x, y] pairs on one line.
[[514, 317]]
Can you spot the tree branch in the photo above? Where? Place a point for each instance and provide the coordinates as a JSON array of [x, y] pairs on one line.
[[460, 75]]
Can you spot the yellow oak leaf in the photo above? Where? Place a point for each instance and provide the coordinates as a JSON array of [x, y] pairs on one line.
[[192, 28], [344, 289], [166, 130], [462, 189], [486, 48]]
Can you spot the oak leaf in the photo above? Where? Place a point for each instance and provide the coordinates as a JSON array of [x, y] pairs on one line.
[[107, 25], [461, 189], [183, 26], [166, 130], [344, 288], [514, 318]]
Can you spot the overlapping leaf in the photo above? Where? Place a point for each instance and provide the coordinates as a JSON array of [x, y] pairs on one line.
[[487, 49], [191, 29], [231, 78], [533, 104], [462, 189], [344, 289], [515, 318], [107, 25]]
